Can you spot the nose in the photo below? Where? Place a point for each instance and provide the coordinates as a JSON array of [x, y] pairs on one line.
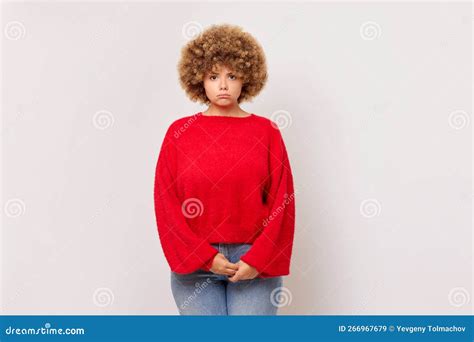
[[223, 83]]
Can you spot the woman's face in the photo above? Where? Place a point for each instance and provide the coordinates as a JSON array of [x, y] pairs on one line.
[[222, 86]]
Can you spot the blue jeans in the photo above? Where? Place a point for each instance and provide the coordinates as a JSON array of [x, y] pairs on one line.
[[207, 293]]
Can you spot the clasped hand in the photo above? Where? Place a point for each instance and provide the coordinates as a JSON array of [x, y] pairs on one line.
[[235, 271]]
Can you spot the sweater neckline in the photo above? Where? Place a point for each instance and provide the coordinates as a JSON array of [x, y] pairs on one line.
[[226, 117]]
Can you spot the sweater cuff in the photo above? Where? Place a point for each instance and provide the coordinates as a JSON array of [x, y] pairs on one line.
[[208, 264]]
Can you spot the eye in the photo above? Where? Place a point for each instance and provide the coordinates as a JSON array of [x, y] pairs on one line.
[[233, 77], [212, 77]]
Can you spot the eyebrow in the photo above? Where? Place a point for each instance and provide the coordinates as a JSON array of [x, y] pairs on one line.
[[216, 73]]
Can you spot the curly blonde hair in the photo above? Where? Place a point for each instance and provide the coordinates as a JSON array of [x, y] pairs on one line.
[[225, 45]]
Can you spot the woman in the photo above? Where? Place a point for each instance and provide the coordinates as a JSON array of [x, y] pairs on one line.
[[224, 198]]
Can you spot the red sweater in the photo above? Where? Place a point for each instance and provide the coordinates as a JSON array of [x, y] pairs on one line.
[[222, 179]]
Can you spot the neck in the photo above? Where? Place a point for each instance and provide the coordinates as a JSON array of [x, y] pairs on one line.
[[231, 110]]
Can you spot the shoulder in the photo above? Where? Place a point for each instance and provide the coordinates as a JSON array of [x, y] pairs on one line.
[[180, 124], [267, 124], [185, 120]]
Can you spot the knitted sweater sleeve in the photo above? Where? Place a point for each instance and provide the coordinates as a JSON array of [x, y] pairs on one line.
[[271, 252], [184, 251]]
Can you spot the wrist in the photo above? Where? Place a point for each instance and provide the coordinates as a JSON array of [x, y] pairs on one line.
[[208, 264]]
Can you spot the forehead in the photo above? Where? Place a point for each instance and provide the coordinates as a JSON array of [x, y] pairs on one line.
[[220, 69]]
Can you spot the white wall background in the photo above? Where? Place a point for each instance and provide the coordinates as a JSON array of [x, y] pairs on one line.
[[379, 126]]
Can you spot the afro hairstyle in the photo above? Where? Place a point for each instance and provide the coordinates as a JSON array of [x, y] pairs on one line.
[[225, 45]]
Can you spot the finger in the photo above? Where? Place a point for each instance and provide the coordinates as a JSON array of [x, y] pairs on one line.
[[233, 279], [232, 265], [245, 276], [228, 272]]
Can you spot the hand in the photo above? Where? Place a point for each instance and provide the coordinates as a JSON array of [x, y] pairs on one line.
[[245, 271], [221, 265]]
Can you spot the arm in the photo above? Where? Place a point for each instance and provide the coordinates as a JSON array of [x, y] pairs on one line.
[[184, 250], [271, 251]]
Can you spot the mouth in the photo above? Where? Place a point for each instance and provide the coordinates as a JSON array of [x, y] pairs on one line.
[[223, 95]]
